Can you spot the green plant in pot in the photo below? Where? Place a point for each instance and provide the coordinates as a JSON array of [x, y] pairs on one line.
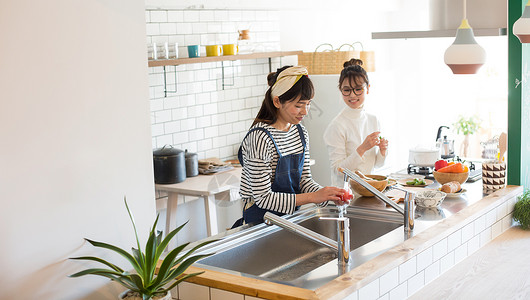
[[467, 127], [521, 211], [144, 282]]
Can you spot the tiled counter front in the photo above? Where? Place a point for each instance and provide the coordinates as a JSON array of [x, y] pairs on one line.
[[395, 274]]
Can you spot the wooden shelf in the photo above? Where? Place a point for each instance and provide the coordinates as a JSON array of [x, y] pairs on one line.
[[205, 59]]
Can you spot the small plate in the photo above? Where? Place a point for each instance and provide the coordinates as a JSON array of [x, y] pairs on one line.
[[403, 182], [457, 194]]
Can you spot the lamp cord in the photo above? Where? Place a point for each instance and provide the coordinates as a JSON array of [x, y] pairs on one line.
[[465, 13]]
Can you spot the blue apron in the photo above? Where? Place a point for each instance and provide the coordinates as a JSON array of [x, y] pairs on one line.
[[287, 177]]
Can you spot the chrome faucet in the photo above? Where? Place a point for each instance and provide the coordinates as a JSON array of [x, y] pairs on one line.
[[342, 245], [408, 212]]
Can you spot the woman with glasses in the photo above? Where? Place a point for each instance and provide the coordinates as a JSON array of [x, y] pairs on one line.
[[353, 137], [275, 152]]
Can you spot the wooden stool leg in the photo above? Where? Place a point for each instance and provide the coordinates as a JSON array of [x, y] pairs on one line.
[[171, 217]]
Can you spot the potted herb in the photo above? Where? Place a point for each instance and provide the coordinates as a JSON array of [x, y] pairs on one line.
[[521, 211], [467, 127], [144, 283]]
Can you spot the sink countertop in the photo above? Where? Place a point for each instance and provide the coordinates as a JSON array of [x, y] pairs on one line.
[[430, 228]]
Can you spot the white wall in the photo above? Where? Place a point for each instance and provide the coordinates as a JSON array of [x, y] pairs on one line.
[[75, 135]]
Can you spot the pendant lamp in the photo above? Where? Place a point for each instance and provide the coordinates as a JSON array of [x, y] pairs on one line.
[[465, 56], [521, 28]]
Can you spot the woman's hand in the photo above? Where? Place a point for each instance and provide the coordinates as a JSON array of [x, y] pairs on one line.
[[328, 193], [383, 146], [370, 141]]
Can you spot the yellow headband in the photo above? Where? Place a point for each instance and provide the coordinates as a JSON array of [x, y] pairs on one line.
[[286, 79]]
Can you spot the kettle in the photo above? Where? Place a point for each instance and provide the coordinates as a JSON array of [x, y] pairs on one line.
[[446, 146]]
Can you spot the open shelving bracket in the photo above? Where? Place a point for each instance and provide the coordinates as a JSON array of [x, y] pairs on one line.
[[165, 82]]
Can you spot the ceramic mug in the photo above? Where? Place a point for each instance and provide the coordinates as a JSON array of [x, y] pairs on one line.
[[213, 50], [193, 51], [230, 49]]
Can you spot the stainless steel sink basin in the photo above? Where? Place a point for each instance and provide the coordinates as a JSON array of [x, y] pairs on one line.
[[276, 254]]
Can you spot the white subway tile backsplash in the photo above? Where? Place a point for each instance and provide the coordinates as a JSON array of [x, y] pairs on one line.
[[180, 137], [219, 119], [461, 253], [168, 28], [454, 240], [432, 272], [158, 16], [195, 111], [233, 139], [179, 113], [424, 259], [219, 141], [439, 249], [209, 86], [221, 15], [388, 281], [206, 16], [473, 244], [447, 262], [369, 291], [162, 116], [175, 16], [173, 126], [211, 131], [204, 122], [480, 224], [384, 297], [496, 229], [162, 140], [200, 28], [407, 269], [191, 146], [491, 217], [485, 236], [468, 232], [415, 283], [196, 135], [153, 29], [399, 293], [227, 151], [188, 124], [157, 129]]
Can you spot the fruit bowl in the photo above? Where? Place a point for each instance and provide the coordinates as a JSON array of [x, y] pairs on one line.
[[447, 177], [380, 182]]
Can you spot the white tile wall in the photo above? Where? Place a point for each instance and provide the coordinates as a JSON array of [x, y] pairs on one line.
[[200, 109]]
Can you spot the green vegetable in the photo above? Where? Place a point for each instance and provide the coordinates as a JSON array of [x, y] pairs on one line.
[[416, 181], [521, 211]]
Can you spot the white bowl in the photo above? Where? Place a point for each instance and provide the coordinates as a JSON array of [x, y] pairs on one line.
[[429, 198]]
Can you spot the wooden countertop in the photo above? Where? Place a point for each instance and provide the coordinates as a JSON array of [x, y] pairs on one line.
[[348, 283]]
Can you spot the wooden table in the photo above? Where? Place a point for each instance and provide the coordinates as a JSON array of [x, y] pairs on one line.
[[205, 187]]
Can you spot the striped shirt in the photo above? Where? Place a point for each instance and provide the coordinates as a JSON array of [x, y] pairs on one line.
[[260, 159]]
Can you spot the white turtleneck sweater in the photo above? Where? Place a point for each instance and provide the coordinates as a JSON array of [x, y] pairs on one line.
[[344, 134]]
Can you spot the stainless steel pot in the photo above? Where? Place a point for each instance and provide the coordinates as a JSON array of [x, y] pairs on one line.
[[423, 157], [192, 164]]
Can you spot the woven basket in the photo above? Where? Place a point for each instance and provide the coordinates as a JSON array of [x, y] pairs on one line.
[[329, 61]]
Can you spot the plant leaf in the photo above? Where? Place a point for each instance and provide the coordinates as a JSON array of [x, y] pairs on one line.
[[182, 279], [141, 260], [118, 250], [111, 265], [150, 253], [183, 266], [167, 263], [193, 250], [160, 248]]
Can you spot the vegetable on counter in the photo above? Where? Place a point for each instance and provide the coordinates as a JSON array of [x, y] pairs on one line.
[[454, 168], [440, 164], [416, 181]]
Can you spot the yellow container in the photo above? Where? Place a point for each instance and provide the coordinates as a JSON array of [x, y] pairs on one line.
[[213, 50], [230, 49]]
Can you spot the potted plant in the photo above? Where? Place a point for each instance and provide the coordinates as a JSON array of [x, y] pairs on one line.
[[521, 211], [466, 126], [144, 283]]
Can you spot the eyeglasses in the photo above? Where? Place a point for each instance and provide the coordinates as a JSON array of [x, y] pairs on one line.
[[346, 91]]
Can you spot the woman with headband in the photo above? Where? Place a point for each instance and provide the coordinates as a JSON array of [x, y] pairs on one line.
[[275, 152], [353, 137]]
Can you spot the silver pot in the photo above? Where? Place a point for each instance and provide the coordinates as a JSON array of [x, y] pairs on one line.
[[423, 157]]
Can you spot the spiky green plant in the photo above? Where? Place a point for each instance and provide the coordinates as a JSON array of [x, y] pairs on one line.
[[144, 280], [521, 211]]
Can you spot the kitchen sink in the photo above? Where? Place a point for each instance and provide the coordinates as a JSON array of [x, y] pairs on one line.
[[275, 254]]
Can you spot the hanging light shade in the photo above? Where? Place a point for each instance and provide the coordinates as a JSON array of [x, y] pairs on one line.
[[465, 56], [521, 27]]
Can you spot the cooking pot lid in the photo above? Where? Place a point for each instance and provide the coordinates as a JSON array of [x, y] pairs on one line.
[[167, 150]]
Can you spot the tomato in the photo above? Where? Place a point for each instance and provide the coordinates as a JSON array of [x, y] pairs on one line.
[[346, 197], [440, 164]]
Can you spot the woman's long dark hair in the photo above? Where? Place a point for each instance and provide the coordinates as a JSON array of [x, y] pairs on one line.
[[268, 113], [354, 72]]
